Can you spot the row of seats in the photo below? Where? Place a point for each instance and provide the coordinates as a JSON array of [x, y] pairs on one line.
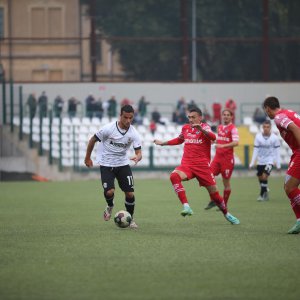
[[76, 132]]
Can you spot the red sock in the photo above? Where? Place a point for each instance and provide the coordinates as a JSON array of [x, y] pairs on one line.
[[226, 195], [294, 196], [219, 201], [178, 187]]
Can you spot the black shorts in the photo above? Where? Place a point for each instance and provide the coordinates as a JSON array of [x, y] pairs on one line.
[[123, 175], [264, 169]]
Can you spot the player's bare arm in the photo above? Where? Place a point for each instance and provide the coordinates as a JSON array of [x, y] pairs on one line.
[[137, 157], [296, 131], [88, 162], [159, 143], [176, 141], [229, 145]]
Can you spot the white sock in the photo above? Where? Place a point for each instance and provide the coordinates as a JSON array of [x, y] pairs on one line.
[[186, 205]]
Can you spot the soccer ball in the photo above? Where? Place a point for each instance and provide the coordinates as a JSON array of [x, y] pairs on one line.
[[122, 219]]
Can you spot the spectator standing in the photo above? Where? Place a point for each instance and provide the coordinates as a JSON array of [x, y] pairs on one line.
[[181, 111], [217, 108], [32, 104], [72, 107], [112, 107], [142, 106], [43, 105], [89, 105], [98, 109], [58, 106]]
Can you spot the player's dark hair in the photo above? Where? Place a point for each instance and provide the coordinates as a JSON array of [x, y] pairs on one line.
[[267, 122], [195, 109], [271, 102], [127, 108]]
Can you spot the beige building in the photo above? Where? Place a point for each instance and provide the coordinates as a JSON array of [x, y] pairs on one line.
[[49, 41]]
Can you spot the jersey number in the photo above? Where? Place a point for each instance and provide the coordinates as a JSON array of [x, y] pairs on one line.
[[268, 168], [130, 180]]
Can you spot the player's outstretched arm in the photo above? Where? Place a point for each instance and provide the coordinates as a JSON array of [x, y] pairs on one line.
[[173, 142], [88, 162], [137, 157], [229, 145], [159, 143]]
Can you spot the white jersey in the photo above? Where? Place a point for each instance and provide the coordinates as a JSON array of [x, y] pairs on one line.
[[266, 150], [112, 151]]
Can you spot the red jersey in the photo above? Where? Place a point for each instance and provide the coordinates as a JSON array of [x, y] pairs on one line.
[[282, 119], [197, 145], [226, 134]]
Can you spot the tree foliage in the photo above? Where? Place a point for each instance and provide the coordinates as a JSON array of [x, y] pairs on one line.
[[229, 46]]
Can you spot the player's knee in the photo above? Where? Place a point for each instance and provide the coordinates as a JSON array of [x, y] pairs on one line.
[[175, 177], [129, 194], [109, 193], [288, 189]]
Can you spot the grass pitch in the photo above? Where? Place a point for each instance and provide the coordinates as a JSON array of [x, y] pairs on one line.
[[55, 244]]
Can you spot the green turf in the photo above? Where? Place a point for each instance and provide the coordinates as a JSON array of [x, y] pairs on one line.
[[54, 244]]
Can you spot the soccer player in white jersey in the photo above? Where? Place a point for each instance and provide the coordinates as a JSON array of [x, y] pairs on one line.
[[266, 152], [115, 139]]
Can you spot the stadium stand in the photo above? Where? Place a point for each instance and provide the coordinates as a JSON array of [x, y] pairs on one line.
[[70, 143]]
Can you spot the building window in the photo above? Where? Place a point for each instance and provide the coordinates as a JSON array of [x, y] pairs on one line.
[[38, 16], [46, 22], [43, 75], [1, 22], [55, 22]]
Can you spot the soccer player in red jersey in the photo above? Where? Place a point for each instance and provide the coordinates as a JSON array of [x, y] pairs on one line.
[[223, 162], [195, 162], [288, 123]]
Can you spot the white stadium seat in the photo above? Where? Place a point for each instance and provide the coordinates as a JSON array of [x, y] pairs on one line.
[[253, 129], [248, 121]]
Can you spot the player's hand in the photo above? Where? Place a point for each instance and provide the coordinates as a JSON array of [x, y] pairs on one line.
[[135, 159], [250, 166], [88, 162], [219, 146], [158, 142], [198, 126]]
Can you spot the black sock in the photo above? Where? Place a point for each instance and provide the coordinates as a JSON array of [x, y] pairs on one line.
[[129, 204], [109, 200], [263, 186]]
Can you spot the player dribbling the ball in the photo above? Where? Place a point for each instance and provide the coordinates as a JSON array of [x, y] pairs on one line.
[[115, 139]]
